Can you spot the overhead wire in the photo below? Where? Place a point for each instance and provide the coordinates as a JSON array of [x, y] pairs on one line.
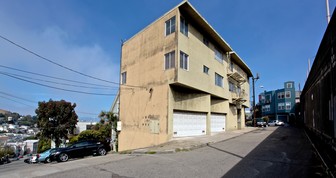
[[24, 99], [58, 78], [58, 83], [74, 91], [62, 66], [31, 101], [17, 101]]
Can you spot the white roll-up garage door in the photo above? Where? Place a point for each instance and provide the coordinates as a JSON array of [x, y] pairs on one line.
[[217, 122], [189, 124]]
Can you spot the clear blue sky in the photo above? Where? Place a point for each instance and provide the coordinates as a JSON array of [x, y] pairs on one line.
[[275, 38]]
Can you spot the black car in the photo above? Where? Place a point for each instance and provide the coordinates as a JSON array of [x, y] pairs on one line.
[[81, 149]]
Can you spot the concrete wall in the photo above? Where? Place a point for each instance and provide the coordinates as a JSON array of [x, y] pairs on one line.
[[200, 55], [144, 109], [147, 106]]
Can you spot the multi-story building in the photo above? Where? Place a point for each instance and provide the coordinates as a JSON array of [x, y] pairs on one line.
[[180, 78], [279, 104]]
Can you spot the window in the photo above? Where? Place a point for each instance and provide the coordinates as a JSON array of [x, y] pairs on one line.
[[281, 106], [231, 66], [218, 56], [268, 98], [288, 94], [218, 80], [170, 60], [123, 77], [205, 69], [289, 85], [205, 41], [266, 108], [184, 60], [184, 26], [288, 105], [232, 87], [170, 26], [262, 98], [238, 90], [281, 95]]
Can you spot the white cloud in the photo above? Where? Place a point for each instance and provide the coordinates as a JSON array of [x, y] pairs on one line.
[[55, 44]]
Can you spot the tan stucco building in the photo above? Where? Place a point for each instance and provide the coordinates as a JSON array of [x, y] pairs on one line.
[[180, 78]]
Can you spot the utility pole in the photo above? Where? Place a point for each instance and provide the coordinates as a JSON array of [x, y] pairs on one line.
[[254, 79], [328, 11]]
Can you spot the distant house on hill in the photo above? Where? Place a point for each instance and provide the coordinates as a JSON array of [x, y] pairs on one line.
[[4, 112]]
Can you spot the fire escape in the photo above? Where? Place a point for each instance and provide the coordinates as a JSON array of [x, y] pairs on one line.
[[238, 95]]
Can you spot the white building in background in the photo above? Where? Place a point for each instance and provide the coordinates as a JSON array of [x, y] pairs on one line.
[[31, 146], [81, 126]]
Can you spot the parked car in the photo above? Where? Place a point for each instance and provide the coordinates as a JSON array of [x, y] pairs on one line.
[[280, 123], [81, 149], [32, 158], [45, 157], [272, 123], [261, 122]]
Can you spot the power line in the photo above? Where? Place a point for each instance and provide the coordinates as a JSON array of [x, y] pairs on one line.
[[7, 94], [60, 65], [28, 100], [17, 101], [87, 113], [58, 78], [58, 83], [74, 91]]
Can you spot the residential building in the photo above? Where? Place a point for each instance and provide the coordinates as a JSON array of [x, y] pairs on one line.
[[81, 126], [279, 104], [180, 78]]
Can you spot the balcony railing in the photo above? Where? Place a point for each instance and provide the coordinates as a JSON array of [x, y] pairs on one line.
[[239, 96], [236, 73]]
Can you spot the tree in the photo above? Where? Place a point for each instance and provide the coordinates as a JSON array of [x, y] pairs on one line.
[[27, 120], [44, 144], [56, 119], [107, 121]]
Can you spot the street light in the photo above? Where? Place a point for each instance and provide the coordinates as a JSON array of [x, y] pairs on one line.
[[254, 79]]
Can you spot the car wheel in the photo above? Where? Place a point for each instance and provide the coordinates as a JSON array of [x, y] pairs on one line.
[[47, 160], [63, 157], [102, 151]]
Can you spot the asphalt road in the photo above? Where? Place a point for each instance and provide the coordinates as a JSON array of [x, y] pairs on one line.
[[267, 152]]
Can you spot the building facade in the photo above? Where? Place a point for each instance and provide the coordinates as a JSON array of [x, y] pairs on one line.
[[179, 78], [318, 98], [279, 104]]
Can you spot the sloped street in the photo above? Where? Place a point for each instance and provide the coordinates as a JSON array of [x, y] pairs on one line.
[[265, 152]]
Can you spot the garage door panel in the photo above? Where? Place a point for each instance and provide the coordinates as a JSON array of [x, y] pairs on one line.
[[189, 124], [218, 122]]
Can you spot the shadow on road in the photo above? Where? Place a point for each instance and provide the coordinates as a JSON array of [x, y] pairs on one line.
[[285, 153], [233, 154]]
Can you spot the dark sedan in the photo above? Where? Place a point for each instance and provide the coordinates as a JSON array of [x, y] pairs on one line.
[[81, 149]]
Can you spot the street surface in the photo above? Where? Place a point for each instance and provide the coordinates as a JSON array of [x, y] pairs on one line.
[[266, 152]]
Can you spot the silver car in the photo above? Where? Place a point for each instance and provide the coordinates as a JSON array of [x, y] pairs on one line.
[[272, 123]]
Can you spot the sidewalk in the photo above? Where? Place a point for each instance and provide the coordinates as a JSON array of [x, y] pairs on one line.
[[190, 143]]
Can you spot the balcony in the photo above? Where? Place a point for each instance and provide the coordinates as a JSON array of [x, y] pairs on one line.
[[236, 74], [238, 97]]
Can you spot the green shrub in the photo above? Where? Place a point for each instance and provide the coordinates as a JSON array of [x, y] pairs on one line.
[[6, 150], [90, 135], [43, 145], [266, 119], [73, 139]]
